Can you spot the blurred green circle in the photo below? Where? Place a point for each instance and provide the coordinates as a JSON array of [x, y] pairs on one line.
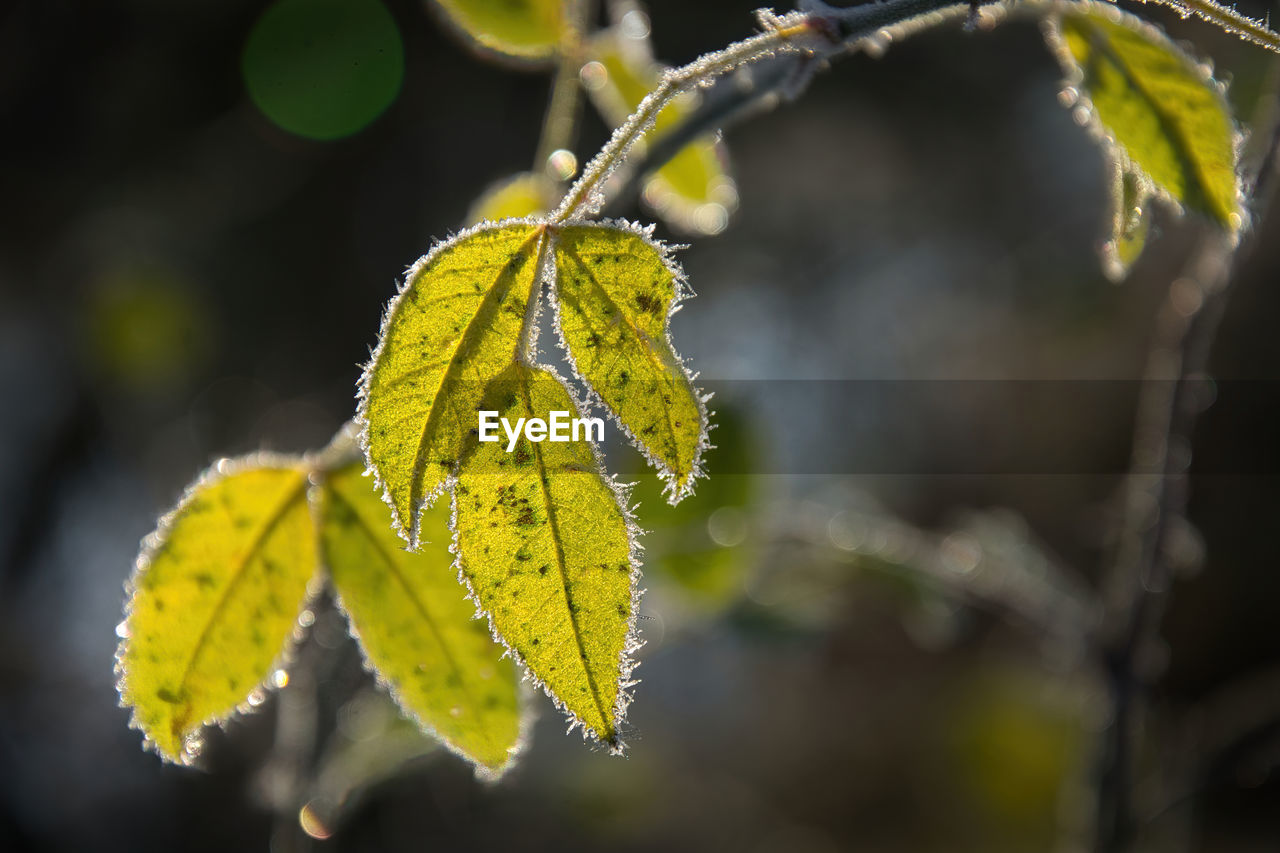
[[323, 69]]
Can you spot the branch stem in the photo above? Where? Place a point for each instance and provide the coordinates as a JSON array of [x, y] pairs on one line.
[[1140, 577], [1227, 19], [560, 124], [781, 34]]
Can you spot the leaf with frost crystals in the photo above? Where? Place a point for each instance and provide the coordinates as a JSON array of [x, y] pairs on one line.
[[414, 624], [693, 190], [1164, 114], [615, 292], [519, 29], [215, 598], [454, 326], [545, 544]]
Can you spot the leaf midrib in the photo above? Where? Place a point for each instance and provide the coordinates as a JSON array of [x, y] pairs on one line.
[[293, 496], [1101, 41], [654, 357], [449, 376], [561, 568], [417, 603]]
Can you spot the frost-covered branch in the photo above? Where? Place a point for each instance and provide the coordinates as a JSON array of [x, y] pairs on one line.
[[788, 33], [817, 31], [784, 77], [1230, 20]]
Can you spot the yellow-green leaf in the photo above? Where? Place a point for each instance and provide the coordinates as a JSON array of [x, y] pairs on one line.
[[616, 289], [525, 194], [545, 544], [215, 598], [1162, 111], [520, 29], [453, 327], [693, 190], [1130, 222], [414, 624]]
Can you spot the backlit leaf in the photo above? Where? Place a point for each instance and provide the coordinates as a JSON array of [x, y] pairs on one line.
[[522, 29], [545, 544], [414, 624], [453, 327], [1130, 222], [518, 196], [693, 190], [615, 290], [1164, 114], [215, 598]]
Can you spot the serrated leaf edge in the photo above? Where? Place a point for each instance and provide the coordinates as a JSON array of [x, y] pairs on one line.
[[527, 715], [631, 643], [673, 489], [152, 544], [409, 532]]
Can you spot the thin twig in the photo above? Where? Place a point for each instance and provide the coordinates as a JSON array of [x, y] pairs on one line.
[[1229, 20], [730, 101], [560, 124], [819, 30], [583, 198], [1140, 577], [784, 76]]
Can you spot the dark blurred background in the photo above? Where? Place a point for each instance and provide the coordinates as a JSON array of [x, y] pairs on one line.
[[871, 632]]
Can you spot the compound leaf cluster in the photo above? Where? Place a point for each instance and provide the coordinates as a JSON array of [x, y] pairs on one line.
[[543, 537], [219, 593]]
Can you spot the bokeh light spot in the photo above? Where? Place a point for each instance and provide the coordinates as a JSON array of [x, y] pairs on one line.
[[323, 69]]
